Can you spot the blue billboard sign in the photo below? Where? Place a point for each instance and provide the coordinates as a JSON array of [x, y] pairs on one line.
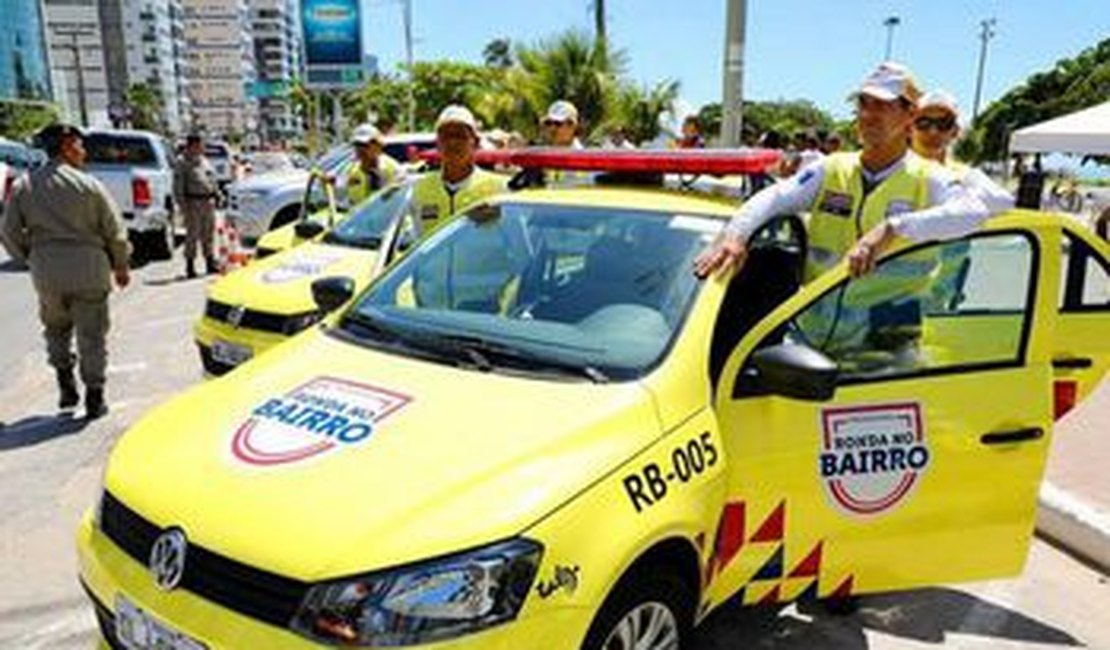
[[332, 32]]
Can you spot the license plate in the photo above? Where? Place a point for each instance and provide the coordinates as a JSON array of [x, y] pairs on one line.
[[137, 630], [231, 354]]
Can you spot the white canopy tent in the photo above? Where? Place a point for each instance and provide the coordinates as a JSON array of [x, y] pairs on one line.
[[1083, 132]]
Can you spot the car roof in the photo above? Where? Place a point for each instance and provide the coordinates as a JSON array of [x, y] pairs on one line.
[[628, 198]]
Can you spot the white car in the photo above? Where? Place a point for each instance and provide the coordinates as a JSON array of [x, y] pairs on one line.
[[136, 168]]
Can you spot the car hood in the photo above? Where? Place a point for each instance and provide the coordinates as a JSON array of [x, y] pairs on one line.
[[272, 180], [453, 458], [282, 283]]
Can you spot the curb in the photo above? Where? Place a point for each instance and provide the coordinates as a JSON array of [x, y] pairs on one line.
[[1080, 527]]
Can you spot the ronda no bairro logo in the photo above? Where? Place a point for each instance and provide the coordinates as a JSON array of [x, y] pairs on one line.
[[322, 416], [872, 456]]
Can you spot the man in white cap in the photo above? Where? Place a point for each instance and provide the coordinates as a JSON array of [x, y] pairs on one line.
[[860, 202], [560, 125], [458, 183], [935, 128], [371, 170]]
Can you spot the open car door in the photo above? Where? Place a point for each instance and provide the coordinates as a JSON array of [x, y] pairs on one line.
[[883, 440]]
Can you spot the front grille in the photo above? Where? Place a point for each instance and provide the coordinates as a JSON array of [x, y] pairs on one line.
[[254, 320], [265, 596]]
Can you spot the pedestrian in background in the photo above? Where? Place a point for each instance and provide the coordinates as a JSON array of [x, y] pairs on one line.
[[195, 190], [65, 225], [691, 134]]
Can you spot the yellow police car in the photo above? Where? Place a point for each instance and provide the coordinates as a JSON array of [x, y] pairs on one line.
[[319, 207], [539, 430], [256, 307]]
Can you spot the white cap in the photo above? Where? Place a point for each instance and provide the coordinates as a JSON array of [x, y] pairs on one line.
[[889, 82], [561, 111], [456, 114], [939, 99], [367, 133]]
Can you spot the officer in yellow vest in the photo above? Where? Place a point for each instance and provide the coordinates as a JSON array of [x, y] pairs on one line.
[[372, 169], [935, 128], [458, 183], [860, 202]]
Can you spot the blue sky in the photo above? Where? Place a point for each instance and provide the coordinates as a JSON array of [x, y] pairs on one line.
[[807, 49]]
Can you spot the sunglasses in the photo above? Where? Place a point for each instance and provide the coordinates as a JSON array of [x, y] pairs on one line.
[[938, 123], [556, 123]]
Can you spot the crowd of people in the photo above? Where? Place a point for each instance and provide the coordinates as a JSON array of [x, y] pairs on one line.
[[901, 185]]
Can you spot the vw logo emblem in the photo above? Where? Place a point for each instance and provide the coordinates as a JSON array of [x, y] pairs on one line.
[[167, 559], [235, 316]]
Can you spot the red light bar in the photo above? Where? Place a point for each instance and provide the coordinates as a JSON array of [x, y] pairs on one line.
[[718, 162]]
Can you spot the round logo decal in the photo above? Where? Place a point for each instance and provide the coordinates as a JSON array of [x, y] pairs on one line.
[[872, 456], [323, 416], [301, 265]]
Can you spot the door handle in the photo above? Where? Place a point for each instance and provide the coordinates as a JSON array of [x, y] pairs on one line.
[[1015, 435], [1072, 362]]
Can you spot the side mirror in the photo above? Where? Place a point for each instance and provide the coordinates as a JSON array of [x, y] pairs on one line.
[[795, 371], [333, 292], [307, 229]]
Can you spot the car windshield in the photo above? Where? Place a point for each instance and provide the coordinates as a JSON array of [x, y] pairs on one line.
[[370, 222], [107, 149], [595, 292]]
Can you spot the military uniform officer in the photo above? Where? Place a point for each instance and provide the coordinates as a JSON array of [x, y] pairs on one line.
[[372, 169], [64, 224], [195, 189]]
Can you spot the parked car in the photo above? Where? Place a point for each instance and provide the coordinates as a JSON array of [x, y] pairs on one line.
[[136, 168]]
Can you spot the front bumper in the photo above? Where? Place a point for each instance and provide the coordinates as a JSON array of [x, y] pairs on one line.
[[107, 572], [208, 331]]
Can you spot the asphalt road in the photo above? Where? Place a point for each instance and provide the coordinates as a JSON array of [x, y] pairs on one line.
[[50, 468]]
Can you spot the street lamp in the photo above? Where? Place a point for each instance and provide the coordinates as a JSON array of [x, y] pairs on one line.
[[890, 23], [986, 33]]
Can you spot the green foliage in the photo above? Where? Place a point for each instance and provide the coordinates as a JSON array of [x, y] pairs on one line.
[[145, 103], [786, 117], [21, 120], [638, 108], [1071, 85]]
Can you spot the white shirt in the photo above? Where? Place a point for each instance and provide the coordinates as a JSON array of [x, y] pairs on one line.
[[953, 210]]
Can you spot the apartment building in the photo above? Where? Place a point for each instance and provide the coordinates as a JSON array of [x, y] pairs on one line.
[[75, 43], [275, 27], [220, 67]]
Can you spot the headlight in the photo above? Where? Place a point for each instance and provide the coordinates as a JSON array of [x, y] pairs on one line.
[[301, 322], [426, 602]]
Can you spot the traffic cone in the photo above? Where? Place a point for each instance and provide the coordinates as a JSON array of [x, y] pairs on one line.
[[222, 247], [238, 256]]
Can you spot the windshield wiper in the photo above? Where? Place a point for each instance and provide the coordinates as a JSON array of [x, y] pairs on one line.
[[369, 242], [442, 348], [484, 348]]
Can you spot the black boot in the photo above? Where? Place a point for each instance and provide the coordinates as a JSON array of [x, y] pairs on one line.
[[68, 397], [190, 270], [210, 266], [95, 406]]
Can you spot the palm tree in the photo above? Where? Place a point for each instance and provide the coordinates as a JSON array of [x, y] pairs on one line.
[[145, 103], [498, 53], [572, 67], [638, 109]]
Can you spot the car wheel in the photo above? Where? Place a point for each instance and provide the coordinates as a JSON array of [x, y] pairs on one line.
[[649, 611], [159, 245]]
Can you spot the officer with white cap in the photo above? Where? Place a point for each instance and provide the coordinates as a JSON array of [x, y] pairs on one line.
[[860, 202], [560, 125], [935, 128], [459, 182], [372, 169]]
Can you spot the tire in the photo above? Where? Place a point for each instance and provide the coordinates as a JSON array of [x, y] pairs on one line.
[[653, 595], [159, 248], [286, 215]]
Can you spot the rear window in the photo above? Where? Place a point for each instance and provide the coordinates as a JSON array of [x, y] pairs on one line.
[[107, 149], [216, 151]]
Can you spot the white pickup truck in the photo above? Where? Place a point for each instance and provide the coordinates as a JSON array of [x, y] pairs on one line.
[[136, 168]]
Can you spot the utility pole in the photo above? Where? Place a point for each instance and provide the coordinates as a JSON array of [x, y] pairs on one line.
[[986, 33], [599, 20], [732, 104], [408, 60], [75, 48], [890, 23]]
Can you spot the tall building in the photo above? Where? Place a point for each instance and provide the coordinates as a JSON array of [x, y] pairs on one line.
[[275, 26], [152, 33], [76, 45], [24, 67], [221, 69]]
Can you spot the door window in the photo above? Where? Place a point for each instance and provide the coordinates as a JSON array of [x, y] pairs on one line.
[[1085, 284], [942, 307]]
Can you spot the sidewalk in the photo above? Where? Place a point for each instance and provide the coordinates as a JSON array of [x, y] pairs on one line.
[[1075, 497]]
